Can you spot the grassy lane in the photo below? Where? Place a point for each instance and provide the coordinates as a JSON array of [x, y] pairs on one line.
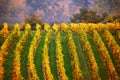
[[38, 57], [8, 62], [102, 70], [68, 67], [52, 57], [24, 69], [82, 58], [1, 42]]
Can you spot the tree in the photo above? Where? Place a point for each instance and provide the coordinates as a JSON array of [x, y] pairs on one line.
[[32, 20], [116, 18], [104, 16], [86, 15]]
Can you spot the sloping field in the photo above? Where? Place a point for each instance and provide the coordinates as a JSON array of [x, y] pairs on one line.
[[61, 52]]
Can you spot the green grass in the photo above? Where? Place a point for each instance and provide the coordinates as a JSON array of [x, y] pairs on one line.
[[67, 60], [8, 65], [1, 42], [52, 57], [38, 57], [82, 59], [24, 59]]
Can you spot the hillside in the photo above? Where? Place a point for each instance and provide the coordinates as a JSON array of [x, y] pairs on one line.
[[75, 52]]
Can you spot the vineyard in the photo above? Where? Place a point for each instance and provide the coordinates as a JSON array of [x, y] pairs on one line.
[[60, 52]]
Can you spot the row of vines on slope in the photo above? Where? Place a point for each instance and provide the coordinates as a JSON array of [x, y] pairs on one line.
[[31, 66], [16, 72], [4, 33], [81, 30], [94, 70], [112, 44], [60, 60], [77, 74], [7, 45], [107, 62], [47, 74]]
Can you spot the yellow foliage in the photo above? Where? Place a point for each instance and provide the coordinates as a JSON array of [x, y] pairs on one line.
[[55, 27], [64, 27], [77, 75], [46, 27]]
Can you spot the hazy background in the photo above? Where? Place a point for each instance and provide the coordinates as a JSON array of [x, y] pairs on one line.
[[13, 11]]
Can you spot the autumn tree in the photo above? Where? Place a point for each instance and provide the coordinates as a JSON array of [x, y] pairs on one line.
[[32, 20], [86, 15]]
